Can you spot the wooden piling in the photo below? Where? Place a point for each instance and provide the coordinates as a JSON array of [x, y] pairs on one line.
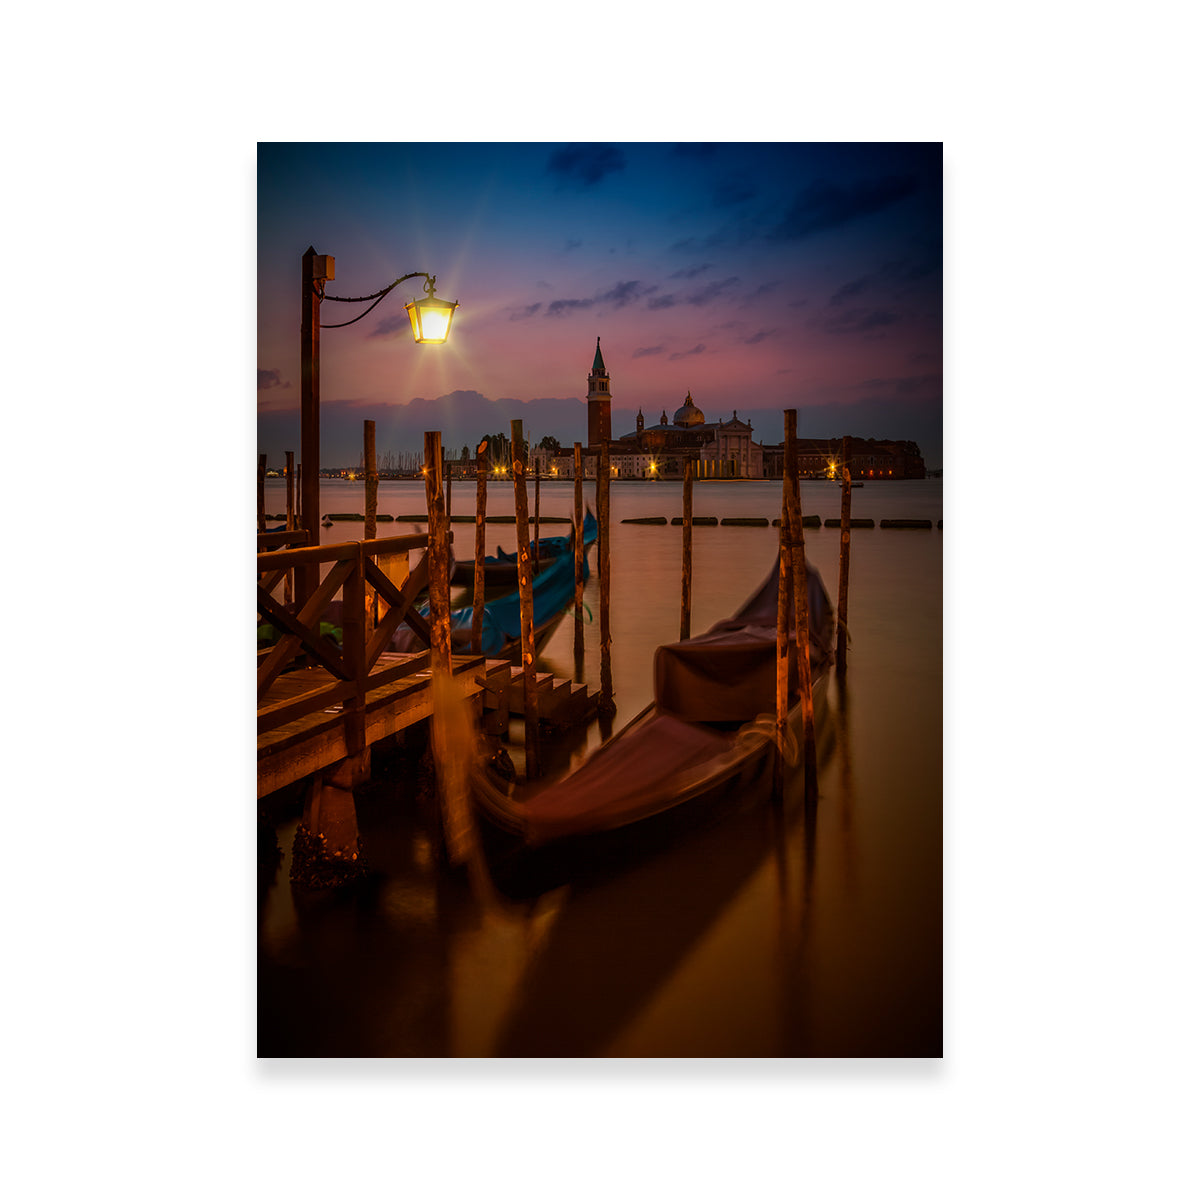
[[525, 592], [372, 480], [800, 590], [844, 562], [371, 503], [605, 703], [783, 622], [537, 516], [262, 494], [685, 613], [457, 829], [439, 557], [579, 552], [480, 547], [290, 471]]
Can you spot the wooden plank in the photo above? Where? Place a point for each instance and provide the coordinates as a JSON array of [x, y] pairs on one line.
[[283, 712]]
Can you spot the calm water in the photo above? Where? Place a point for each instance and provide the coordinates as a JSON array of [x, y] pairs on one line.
[[817, 935]]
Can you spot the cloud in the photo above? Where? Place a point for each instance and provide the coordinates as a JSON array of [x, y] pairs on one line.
[[848, 290], [667, 301], [697, 349], [522, 313], [824, 205], [390, 325], [691, 272], [556, 308], [760, 336], [573, 244], [706, 295], [271, 379], [646, 351], [585, 163], [626, 292], [855, 320]]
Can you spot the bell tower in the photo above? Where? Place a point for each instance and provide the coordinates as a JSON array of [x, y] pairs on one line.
[[599, 402]]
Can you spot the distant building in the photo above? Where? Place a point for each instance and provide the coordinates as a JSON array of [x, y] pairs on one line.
[[719, 449], [820, 458]]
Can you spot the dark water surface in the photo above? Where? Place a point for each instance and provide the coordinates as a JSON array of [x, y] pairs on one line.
[[765, 934]]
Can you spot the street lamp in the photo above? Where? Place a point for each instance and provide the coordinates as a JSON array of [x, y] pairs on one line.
[[430, 318]]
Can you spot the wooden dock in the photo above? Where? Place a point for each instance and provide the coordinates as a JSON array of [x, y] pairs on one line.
[[321, 704], [397, 695]]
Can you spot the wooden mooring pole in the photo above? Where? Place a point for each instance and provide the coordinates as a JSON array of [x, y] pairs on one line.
[[480, 547], [537, 514], [605, 704], [371, 483], [685, 613], [579, 552], [783, 624], [262, 493], [439, 557], [525, 592], [456, 822], [371, 486], [844, 563], [290, 471], [800, 591]]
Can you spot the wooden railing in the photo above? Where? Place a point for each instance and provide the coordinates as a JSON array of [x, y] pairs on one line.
[[352, 568]]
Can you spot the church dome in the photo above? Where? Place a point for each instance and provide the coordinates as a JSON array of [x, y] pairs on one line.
[[688, 414]]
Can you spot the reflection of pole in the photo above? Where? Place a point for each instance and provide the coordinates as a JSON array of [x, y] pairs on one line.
[[579, 559], [844, 565], [606, 683], [525, 592], [480, 548], [685, 615]]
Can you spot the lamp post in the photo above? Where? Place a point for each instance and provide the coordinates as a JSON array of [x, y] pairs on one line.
[[430, 318]]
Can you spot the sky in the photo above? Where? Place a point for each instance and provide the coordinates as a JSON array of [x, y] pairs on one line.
[[758, 277]]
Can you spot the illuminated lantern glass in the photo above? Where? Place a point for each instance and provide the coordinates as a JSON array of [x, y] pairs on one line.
[[430, 319]]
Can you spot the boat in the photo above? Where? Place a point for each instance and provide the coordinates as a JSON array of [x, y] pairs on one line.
[[553, 593], [708, 737], [500, 569]]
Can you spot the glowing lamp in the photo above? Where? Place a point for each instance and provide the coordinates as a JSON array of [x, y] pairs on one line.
[[430, 318]]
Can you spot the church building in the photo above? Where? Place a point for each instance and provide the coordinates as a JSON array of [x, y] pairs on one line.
[[719, 449]]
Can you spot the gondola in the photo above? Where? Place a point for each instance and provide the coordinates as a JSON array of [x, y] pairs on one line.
[[708, 736], [553, 593], [500, 569]]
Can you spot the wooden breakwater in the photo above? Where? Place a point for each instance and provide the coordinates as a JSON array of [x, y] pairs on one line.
[[809, 522]]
